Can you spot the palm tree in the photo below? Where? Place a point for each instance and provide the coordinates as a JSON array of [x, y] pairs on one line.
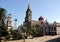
[[2, 13], [2, 18], [2, 22], [15, 22]]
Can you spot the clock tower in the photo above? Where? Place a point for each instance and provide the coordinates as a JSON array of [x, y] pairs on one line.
[[9, 22]]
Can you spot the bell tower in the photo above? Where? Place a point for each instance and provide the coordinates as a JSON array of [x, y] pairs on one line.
[[9, 22], [28, 14], [28, 17]]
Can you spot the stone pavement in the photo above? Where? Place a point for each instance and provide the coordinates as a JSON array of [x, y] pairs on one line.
[[38, 39]]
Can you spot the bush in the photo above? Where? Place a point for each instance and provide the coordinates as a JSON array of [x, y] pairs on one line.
[[38, 33], [41, 32], [8, 37]]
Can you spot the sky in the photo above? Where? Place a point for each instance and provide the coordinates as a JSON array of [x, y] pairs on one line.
[[49, 9]]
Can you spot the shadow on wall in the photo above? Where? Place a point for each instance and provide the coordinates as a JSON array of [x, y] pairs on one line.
[[54, 40]]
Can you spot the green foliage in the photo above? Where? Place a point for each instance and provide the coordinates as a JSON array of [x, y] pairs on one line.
[[8, 37], [15, 19], [15, 34], [2, 13], [35, 32], [3, 28], [22, 28], [41, 32]]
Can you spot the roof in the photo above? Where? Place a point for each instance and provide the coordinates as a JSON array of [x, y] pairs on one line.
[[41, 18], [28, 9]]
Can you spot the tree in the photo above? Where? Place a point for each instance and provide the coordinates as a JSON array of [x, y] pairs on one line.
[[16, 35], [13, 33], [22, 28], [3, 28], [34, 31], [2, 13], [41, 32], [15, 22]]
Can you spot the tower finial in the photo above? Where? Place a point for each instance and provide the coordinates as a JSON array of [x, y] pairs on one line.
[[28, 9], [28, 6]]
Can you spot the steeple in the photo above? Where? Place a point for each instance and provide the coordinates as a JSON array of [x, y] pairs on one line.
[[28, 9], [28, 17], [28, 14], [28, 6]]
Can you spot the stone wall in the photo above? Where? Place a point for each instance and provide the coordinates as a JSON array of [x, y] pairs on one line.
[[58, 30]]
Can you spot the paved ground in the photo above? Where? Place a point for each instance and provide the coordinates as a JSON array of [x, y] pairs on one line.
[[41, 39], [54, 40], [44, 39]]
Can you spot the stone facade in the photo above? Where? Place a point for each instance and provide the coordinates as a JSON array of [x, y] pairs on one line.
[[58, 28], [28, 19], [9, 25], [49, 28]]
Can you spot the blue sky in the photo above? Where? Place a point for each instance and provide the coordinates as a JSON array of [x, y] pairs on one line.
[[49, 9]]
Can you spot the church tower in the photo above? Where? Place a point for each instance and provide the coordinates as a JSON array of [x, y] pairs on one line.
[[28, 14], [9, 22], [28, 17]]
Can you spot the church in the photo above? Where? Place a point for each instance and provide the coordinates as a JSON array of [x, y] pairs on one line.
[[49, 28]]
